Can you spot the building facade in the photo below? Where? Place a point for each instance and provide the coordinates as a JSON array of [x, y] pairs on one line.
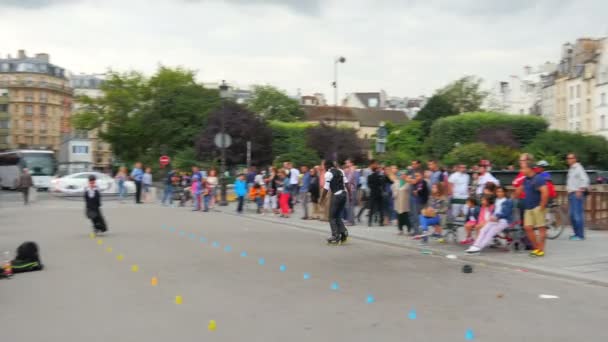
[[601, 91], [100, 152], [35, 102]]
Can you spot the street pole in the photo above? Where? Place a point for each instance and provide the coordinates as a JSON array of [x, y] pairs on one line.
[[223, 95], [335, 84]]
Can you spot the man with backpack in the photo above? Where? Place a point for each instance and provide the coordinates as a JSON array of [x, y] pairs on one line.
[[540, 169], [336, 183]]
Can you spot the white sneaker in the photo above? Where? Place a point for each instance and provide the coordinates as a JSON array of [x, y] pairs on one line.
[[473, 250]]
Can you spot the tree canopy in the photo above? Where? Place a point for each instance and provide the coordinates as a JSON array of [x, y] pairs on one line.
[[437, 107], [273, 104], [464, 94], [144, 117]]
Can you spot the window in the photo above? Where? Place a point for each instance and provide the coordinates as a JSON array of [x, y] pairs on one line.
[[578, 91], [42, 140], [571, 92], [4, 124], [29, 109], [578, 126], [29, 125], [588, 105], [3, 108], [43, 97], [603, 99], [42, 110], [29, 140], [578, 109], [80, 149], [603, 122], [3, 139], [29, 96], [43, 125], [5, 67], [571, 111], [372, 103]]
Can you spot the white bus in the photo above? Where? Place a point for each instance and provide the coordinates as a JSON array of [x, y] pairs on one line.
[[40, 163]]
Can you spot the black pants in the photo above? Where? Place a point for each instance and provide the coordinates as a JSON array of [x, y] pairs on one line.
[[97, 219], [26, 195], [336, 209], [404, 220], [137, 191], [240, 207], [376, 206]]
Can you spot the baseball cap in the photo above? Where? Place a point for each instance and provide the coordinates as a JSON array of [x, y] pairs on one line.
[[542, 163]]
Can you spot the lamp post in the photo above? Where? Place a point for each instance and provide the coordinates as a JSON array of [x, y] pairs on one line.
[[224, 94], [335, 85]]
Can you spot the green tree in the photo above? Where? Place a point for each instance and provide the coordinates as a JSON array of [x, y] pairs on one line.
[[144, 117], [465, 94], [437, 107], [289, 143], [273, 104], [553, 146], [471, 154]]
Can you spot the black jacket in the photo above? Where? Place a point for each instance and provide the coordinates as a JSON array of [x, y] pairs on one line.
[[377, 183], [94, 202]]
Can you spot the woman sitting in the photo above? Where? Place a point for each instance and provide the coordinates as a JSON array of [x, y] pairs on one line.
[[501, 218]]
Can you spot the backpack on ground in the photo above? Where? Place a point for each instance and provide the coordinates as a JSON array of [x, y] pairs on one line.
[[28, 258]]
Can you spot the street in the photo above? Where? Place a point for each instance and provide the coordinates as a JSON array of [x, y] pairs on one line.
[[262, 281]]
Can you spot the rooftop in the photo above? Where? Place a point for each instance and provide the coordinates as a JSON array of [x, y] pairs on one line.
[[39, 64], [367, 117]]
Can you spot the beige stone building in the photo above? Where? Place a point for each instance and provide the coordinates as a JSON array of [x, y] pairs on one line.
[[35, 102]]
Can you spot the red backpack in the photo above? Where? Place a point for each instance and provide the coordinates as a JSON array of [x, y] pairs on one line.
[[551, 189]]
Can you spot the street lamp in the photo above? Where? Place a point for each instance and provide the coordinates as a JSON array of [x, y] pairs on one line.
[[224, 95], [335, 85]]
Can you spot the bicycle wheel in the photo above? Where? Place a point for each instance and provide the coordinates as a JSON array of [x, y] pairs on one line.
[[556, 222]]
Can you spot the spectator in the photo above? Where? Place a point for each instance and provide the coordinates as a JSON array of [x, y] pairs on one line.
[[137, 175], [257, 194], [271, 201], [251, 174], [472, 220], [485, 177], [578, 188], [501, 217], [121, 178], [535, 204], [420, 196], [147, 183], [168, 191], [435, 175], [294, 180], [377, 184], [206, 194], [304, 191], [402, 205], [240, 189], [350, 172], [431, 215], [24, 184], [213, 183], [284, 194], [314, 191], [458, 190]]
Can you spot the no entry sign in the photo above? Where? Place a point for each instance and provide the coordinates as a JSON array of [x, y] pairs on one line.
[[164, 160]]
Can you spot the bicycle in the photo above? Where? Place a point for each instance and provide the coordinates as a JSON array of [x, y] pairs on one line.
[[556, 221]]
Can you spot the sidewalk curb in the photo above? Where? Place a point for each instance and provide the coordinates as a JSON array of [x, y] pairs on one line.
[[477, 260]]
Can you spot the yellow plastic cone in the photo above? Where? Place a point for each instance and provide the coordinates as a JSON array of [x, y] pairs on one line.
[[154, 281], [109, 249], [134, 268], [212, 325], [100, 242], [178, 300], [92, 235], [119, 257]]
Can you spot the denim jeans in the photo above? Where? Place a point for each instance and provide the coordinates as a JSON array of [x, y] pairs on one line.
[[168, 194], [239, 208], [577, 214], [122, 190], [206, 199], [425, 222]]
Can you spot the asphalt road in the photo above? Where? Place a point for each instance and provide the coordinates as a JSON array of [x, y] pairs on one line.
[[86, 294]]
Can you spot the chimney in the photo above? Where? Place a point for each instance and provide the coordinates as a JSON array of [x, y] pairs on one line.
[[527, 70], [21, 54], [43, 57]]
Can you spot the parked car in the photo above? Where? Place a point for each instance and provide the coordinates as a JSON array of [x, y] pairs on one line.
[[76, 183]]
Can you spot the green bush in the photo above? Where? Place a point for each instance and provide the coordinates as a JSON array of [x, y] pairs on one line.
[[465, 129], [289, 143], [553, 146], [471, 154]]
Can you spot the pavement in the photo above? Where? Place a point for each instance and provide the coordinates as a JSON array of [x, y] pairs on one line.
[[382, 291], [584, 261]]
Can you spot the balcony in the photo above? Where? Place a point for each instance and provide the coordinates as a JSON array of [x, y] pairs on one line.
[[40, 85]]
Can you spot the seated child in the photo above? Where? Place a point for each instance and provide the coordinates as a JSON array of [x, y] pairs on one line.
[[257, 194]]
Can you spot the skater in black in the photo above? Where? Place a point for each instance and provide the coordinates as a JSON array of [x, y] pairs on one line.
[[335, 181], [92, 198]]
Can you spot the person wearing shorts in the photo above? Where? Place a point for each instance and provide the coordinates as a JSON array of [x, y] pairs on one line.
[[535, 208]]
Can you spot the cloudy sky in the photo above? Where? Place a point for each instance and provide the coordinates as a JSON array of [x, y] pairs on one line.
[[406, 47]]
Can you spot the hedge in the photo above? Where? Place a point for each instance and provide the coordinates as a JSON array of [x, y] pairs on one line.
[[466, 128], [289, 143], [553, 146]]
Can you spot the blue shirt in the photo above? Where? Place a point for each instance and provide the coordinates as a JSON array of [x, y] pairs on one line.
[[137, 174], [305, 183], [240, 188], [436, 177], [532, 190]]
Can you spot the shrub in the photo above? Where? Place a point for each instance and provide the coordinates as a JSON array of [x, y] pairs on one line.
[[553, 146], [471, 154], [466, 128]]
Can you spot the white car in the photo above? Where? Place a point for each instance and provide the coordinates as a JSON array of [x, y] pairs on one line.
[[76, 183]]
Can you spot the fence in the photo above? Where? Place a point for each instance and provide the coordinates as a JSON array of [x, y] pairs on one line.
[[596, 206]]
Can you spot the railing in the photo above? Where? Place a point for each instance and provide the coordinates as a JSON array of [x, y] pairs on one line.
[[596, 206]]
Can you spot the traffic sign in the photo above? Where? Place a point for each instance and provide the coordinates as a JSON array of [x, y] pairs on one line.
[[164, 160], [222, 140]]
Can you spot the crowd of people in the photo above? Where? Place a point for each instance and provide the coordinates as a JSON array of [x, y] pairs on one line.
[[417, 200]]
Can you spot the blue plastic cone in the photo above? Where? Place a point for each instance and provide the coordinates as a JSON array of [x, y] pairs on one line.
[[227, 249], [261, 261], [412, 315], [202, 239], [469, 335], [216, 244], [335, 286], [282, 268], [306, 276], [370, 299], [243, 254]]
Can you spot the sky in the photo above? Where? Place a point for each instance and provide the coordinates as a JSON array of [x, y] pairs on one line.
[[405, 47]]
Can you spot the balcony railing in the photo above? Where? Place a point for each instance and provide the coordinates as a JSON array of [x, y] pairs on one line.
[[42, 85]]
